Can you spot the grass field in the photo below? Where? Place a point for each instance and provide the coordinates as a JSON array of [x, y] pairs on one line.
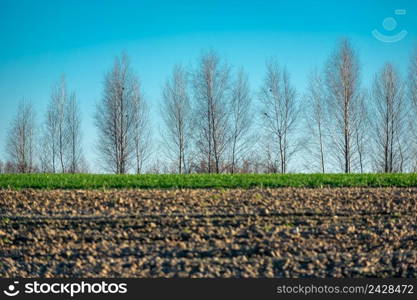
[[93, 181]]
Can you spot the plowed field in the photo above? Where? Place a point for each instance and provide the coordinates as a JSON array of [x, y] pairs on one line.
[[286, 232]]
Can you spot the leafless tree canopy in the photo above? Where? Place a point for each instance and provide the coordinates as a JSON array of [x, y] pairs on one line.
[[120, 118], [21, 140], [61, 136], [241, 119], [53, 141], [412, 78], [389, 120], [177, 114], [75, 158], [361, 135], [211, 82], [141, 131], [317, 121], [280, 114], [211, 124], [343, 98]]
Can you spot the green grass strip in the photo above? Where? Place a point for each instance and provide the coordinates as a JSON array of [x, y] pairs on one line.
[[167, 181]]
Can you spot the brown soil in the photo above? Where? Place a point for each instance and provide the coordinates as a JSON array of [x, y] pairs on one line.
[[343, 232]]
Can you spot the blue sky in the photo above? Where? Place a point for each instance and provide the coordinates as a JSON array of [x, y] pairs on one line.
[[39, 40]]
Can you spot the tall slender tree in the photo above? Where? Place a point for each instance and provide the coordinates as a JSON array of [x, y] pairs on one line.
[[280, 114], [343, 97], [412, 97], [21, 139], [240, 120], [390, 119], [141, 129], [73, 134], [211, 82], [117, 118], [51, 131], [61, 136], [361, 134], [177, 116], [412, 78], [317, 121]]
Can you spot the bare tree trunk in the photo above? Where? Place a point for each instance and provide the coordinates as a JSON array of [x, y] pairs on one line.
[[346, 137], [360, 153], [323, 169]]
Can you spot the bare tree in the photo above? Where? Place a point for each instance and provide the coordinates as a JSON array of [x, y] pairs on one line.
[[344, 94], [73, 134], [317, 120], [54, 140], [241, 119], [49, 140], [280, 113], [390, 120], [412, 97], [59, 99], [412, 78], [141, 130], [116, 117], [46, 160], [211, 85], [61, 140], [176, 113], [361, 137], [21, 139]]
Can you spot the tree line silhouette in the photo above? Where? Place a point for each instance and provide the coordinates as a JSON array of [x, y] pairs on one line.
[[213, 122]]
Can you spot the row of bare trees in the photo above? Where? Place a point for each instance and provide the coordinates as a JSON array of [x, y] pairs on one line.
[[338, 126], [207, 117], [337, 113], [61, 150], [356, 129], [53, 147], [212, 122]]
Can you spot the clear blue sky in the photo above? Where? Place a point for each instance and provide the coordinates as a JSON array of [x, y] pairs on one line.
[[39, 40]]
